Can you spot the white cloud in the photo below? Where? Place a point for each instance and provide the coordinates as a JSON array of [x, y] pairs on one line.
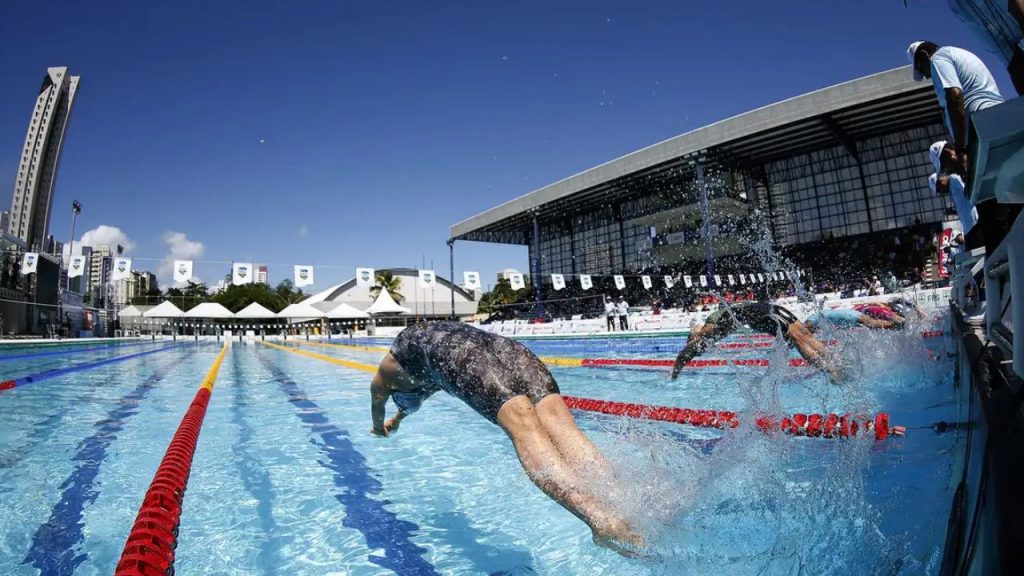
[[303, 231], [100, 236], [179, 247]]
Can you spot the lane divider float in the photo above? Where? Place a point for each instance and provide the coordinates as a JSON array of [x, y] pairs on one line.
[[56, 372], [149, 549], [799, 424], [76, 350]]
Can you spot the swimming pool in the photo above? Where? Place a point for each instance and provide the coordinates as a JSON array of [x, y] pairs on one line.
[[287, 480]]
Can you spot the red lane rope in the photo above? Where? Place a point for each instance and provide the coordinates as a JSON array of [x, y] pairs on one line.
[[813, 425], [149, 549], [698, 363]]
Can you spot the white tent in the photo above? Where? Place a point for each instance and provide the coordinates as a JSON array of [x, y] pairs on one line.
[[301, 310], [255, 310], [209, 310], [345, 311], [385, 304], [130, 312], [164, 310]]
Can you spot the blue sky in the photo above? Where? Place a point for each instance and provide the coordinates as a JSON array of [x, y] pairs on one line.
[[346, 134]]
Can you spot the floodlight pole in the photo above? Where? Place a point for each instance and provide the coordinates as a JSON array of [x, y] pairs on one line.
[[706, 214], [451, 272], [76, 207]]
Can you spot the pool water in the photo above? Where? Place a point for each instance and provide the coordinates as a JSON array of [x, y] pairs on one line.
[[287, 479]]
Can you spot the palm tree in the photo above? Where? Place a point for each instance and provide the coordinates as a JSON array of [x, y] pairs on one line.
[[388, 281]]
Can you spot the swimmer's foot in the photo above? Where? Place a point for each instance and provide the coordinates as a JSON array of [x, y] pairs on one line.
[[622, 539]]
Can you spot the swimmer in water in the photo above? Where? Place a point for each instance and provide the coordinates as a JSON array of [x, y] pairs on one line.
[[761, 317], [846, 317], [508, 385]]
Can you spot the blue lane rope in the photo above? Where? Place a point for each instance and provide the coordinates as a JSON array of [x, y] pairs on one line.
[[57, 372], [74, 351]]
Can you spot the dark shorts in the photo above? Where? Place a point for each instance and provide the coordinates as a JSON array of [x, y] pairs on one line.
[[483, 370], [759, 316]]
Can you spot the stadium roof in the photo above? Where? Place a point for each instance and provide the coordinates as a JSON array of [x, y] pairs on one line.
[[838, 115]]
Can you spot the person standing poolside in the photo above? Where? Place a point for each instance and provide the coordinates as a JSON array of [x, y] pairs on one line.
[[622, 309], [509, 386], [761, 317], [609, 313]]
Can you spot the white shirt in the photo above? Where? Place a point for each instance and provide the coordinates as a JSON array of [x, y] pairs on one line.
[[992, 24], [954, 67], [622, 308], [966, 211], [609, 308]]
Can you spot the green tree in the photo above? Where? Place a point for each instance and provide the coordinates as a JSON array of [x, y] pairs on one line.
[[386, 280], [502, 295], [287, 291], [235, 298]]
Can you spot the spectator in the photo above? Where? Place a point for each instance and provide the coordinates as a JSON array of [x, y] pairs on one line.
[[623, 311], [875, 288], [947, 181], [962, 84], [999, 24], [609, 312]]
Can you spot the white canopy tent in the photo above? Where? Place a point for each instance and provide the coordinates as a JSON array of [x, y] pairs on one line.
[[209, 310], [164, 310], [254, 311], [130, 312], [345, 311], [385, 304], [302, 311]]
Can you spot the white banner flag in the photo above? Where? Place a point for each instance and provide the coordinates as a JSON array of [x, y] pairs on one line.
[[732, 281], [471, 280], [620, 282], [76, 267], [304, 276], [688, 281], [182, 271], [365, 277], [122, 269], [646, 280], [800, 273], [241, 273], [426, 278], [669, 282], [760, 277], [718, 280], [585, 282], [516, 281], [29, 263], [558, 281], [703, 280], [743, 279]]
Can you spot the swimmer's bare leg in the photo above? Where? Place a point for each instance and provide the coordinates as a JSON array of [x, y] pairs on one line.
[[875, 323], [576, 449], [546, 468], [812, 349]]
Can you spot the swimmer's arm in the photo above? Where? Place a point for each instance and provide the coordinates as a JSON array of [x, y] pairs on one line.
[[392, 424], [379, 394]]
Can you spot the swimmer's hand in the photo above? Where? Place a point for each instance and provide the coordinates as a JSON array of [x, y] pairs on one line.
[[620, 538], [383, 432], [391, 426]]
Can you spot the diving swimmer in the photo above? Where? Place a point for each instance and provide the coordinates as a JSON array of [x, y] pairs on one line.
[[847, 317], [508, 385], [761, 317]]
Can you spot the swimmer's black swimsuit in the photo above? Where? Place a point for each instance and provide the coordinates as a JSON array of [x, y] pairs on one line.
[[759, 316], [482, 369]]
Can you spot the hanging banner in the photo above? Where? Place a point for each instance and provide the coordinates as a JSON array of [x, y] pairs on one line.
[[718, 280], [620, 282], [558, 281], [29, 263], [703, 281], [427, 279], [516, 281], [646, 280], [303, 276], [801, 273], [732, 281], [241, 273], [122, 269], [182, 271], [669, 282], [585, 282], [471, 280], [76, 267], [688, 281], [743, 280], [365, 277], [760, 277]]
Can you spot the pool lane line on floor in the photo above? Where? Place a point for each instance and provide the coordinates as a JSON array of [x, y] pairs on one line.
[[566, 362], [54, 373], [823, 425], [149, 548], [382, 528], [55, 543], [76, 350]]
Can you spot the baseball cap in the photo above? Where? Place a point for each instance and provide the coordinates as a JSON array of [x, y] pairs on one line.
[[932, 181], [935, 153], [911, 52]]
